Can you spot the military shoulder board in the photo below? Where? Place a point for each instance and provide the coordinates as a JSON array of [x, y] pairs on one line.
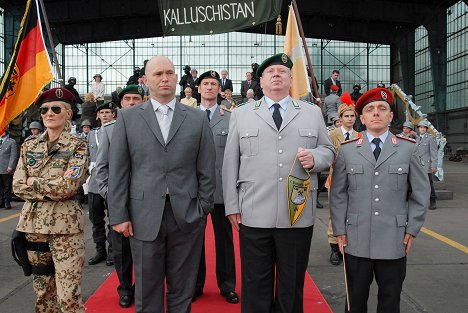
[[351, 140], [407, 139], [109, 123]]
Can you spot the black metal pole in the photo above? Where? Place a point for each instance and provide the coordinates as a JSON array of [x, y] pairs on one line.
[[51, 43]]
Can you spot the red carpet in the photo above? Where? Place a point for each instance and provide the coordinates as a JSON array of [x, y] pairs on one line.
[[105, 299]]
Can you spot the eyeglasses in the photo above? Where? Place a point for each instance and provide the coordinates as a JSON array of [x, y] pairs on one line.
[[55, 109]]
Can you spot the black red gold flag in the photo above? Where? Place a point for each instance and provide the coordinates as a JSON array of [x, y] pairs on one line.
[[29, 69]]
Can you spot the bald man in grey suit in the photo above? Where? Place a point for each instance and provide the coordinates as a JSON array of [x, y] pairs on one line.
[[161, 184]]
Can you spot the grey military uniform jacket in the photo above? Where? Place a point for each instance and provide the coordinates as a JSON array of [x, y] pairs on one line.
[[370, 201], [219, 124], [93, 142], [428, 149], [8, 154], [258, 158], [102, 159]]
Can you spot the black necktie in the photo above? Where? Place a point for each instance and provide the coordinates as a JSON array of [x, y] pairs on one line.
[[347, 136], [376, 142], [277, 116], [208, 112]]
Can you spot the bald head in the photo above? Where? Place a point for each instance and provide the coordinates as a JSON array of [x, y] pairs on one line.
[[161, 79]]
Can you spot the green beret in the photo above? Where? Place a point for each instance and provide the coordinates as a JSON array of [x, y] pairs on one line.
[[106, 105], [280, 58], [133, 89], [209, 74]]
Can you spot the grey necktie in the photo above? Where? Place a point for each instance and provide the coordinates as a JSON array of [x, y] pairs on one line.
[[164, 122]]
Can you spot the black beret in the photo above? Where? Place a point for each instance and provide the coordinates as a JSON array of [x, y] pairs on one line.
[[280, 58], [209, 74]]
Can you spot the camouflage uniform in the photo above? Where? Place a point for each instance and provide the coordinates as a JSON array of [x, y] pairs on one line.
[[51, 215]]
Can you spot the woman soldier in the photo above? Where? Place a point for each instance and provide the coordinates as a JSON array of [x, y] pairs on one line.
[[50, 170]]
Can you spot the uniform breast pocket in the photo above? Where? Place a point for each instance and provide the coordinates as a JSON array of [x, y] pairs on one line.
[[308, 137], [355, 176], [398, 176], [249, 142], [221, 136]]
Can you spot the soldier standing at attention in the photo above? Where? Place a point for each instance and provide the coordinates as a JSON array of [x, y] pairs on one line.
[[209, 85], [51, 168], [121, 252], [428, 149], [374, 217], [96, 203], [347, 114], [271, 142]]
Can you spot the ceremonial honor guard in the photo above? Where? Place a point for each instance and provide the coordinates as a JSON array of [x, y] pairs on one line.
[[374, 215], [208, 88], [274, 149], [428, 149], [408, 130]]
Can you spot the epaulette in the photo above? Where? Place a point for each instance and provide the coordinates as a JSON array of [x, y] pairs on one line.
[[109, 123], [242, 104], [405, 138], [351, 140], [308, 102]]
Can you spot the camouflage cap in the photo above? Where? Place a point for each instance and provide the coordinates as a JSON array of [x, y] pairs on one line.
[[133, 89], [280, 58]]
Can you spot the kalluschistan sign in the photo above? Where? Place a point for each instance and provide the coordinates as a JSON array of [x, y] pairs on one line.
[[204, 17]]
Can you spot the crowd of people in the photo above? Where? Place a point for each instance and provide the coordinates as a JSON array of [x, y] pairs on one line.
[[152, 167]]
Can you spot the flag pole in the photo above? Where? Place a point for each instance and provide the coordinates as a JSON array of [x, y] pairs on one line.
[[51, 43], [309, 63]]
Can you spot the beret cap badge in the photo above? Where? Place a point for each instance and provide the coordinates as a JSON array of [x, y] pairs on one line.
[[59, 93]]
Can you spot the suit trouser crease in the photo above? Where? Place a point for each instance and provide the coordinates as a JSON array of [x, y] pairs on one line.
[[173, 256]]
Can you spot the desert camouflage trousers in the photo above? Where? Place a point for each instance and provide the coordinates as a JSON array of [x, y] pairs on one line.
[[61, 292]]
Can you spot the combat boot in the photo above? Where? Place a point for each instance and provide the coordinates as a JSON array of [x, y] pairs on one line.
[[101, 254], [335, 254]]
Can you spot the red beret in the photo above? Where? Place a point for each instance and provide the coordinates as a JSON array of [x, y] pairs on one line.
[[55, 94], [375, 94], [334, 88]]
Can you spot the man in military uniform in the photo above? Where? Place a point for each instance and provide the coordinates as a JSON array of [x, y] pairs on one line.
[[408, 130], [35, 128], [428, 149], [121, 252], [48, 174], [96, 203], [374, 216], [347, 114], [209, 87], [271, 142], [8, 160]]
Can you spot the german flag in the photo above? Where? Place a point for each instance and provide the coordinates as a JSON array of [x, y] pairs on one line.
[[29, 69]]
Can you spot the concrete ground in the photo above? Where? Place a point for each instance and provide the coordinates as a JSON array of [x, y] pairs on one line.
[[437, 273]]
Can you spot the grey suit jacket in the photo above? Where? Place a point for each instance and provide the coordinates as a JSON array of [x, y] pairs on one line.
[[258, 159], [428, 149], [370, 200], [8, 154], [102, 159], [142, 167], [220, 127], [93, 142]]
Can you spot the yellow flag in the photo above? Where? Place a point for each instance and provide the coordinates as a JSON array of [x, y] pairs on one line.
[[293, 48]]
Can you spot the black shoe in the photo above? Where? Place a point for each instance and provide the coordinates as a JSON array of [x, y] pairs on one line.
[[319, 205], [109, 262], [126, 301], [197, 294], [335, 254], [2, 204], [98, 258], [231, 297], [432, 206]]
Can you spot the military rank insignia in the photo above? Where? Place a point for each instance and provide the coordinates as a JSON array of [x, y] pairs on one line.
[[298, 194], [76, 170]]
